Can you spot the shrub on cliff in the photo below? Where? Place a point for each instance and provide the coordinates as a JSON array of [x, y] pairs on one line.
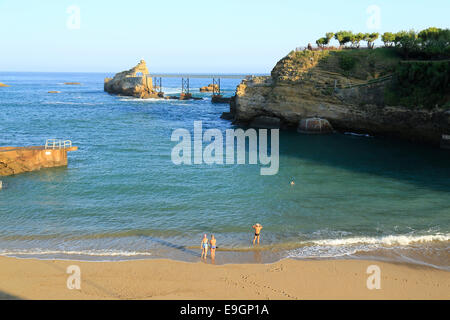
[[420, 84], [347, 62], [431, 43], [435, 43]]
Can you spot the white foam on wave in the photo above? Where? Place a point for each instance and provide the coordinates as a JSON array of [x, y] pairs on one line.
[[73, 103], [331, 248], [142, 100], [402, 240], [94, 253]]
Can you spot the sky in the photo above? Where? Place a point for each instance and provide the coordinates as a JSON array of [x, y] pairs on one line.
[[229, 36]]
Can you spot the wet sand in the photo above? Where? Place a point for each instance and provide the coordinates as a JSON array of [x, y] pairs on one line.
[[167, 279]]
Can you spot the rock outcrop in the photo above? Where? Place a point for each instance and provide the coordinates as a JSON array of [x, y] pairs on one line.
[[210, 88], [135, 82], [316, 86]]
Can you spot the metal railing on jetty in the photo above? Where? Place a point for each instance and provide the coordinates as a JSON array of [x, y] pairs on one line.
[[58, 144]]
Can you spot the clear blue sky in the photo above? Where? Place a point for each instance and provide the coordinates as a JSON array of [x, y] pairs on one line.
[[243, 36]]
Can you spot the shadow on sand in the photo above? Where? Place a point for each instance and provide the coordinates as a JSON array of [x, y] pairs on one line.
[[7, 296], [174, 246]]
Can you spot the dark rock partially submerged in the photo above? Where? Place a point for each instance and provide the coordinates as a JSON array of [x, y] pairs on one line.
[[227, 116], [314, 126], [220, 99]]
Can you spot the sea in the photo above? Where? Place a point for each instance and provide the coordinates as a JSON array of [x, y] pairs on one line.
[[121, 196]]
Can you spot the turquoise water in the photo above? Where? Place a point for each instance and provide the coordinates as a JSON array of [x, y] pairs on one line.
[[121, 197]]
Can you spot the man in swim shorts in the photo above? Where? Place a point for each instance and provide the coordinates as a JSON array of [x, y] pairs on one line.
[[257, 228]]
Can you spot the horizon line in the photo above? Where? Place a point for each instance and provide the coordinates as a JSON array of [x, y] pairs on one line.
[[152, 73]]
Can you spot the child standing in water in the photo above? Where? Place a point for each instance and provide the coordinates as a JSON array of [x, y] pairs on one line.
[[257, 228], [204, 246], [213, 247]]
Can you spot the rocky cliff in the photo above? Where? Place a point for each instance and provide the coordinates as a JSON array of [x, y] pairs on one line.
[[345, 88], [135, 82]]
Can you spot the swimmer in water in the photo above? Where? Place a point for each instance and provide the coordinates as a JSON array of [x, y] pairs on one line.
[[292, 183], [204, 246], [257, 228]]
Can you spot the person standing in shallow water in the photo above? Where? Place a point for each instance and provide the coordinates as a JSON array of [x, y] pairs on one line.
[[213, 243], [204, 246], [257, 228]]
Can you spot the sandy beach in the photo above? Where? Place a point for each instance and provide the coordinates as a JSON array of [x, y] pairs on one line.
[[166, 279]]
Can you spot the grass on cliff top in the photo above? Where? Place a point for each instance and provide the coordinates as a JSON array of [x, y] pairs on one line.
[[363, 64]]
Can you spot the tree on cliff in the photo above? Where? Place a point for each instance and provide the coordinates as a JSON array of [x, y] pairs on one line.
[[388, 38], [356, 39], [435, 42], [343, 37], [430, 34], [399, 36], [408, 42], [322, 42], [329, 36], [370, 38]]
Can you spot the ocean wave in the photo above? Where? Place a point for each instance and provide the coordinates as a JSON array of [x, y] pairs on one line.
[[402, 240], [125, 99], [94, 253], [74, 103], [154, 100], [335, 248]]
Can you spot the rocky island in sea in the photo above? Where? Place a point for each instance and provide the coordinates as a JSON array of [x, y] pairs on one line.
[[135, 82], [362, 90]]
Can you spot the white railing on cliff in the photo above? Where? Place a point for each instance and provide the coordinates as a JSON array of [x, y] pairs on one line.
[[317, 48]]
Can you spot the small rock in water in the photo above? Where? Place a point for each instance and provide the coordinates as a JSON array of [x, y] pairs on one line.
[[210, 88], [71, 83], [315, 126]]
